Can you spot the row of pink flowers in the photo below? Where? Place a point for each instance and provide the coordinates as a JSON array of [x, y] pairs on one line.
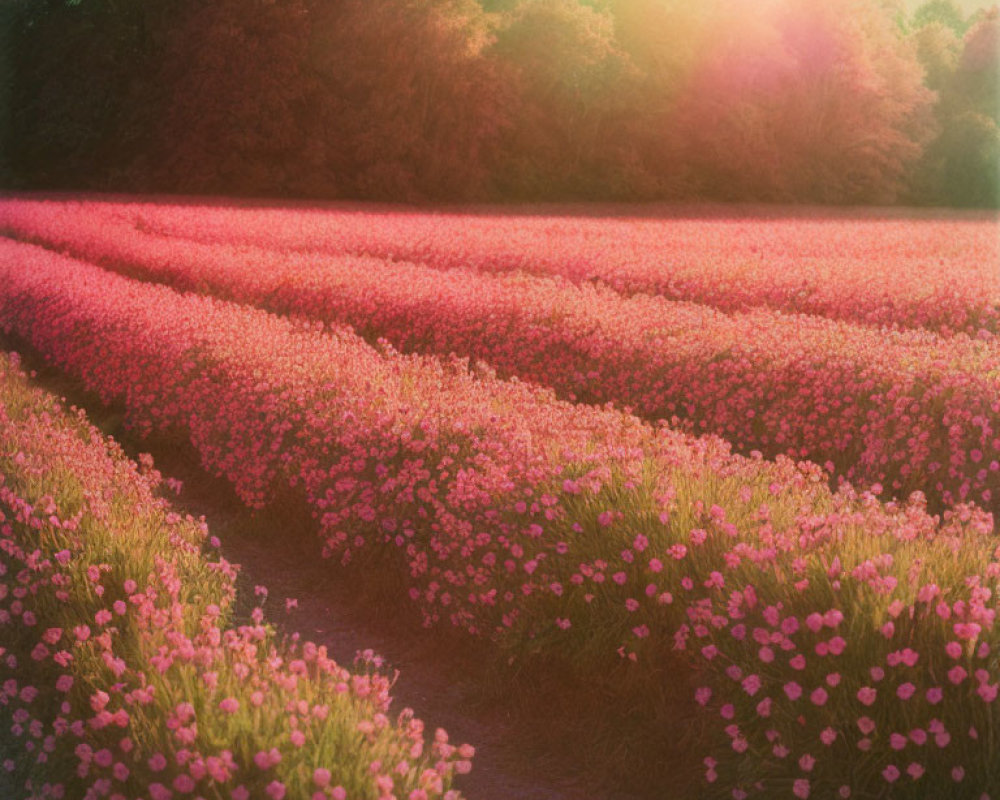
[[820, 627], [908, 410], [876, 269], [119, 673]]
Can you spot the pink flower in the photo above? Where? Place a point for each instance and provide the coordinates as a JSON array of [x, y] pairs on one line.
[[793, 690], [801, 788], [321, 777], [891, 773], [967, 630], [230, 705], [99, 700], [275, 790], [867, 695], [988, 692], [833, 618], [789, 625], [836, 645]]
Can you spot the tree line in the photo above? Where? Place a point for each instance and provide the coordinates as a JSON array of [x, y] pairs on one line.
[[843, 101]]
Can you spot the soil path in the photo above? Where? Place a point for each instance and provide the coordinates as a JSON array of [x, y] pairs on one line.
[[441, 683], [521, 753]]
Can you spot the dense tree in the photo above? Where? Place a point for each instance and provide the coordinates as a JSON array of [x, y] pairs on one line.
[[413, 104], [789, 100], [235, 107], [573, 85], [938, 49], [962, 165], [70, 68], [978, 74], [942, 12], [797, 101]]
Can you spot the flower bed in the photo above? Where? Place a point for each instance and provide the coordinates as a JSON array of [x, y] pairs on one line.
[[908, 410], [875, 268], [836, 641], [120, 674]]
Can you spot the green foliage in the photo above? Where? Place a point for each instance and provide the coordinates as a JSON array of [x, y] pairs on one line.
[[573, 84], [509, 99], [961, 166], [943, 12]]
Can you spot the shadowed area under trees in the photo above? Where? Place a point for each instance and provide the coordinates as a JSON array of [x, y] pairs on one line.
[[845, 101]]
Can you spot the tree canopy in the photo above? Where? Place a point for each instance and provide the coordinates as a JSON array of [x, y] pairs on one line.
[[844, 101]]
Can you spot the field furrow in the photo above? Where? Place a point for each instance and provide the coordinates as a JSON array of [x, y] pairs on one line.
[[799, 614], [909, 410]]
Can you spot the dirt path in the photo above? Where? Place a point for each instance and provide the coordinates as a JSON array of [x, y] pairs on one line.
[[516, 731], [443, 683]]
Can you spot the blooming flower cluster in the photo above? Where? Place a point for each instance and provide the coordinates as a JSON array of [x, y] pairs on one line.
[[120, 675], [909, 410], [839, 644], [878, 270]]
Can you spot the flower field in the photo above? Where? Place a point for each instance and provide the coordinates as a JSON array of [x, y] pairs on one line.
[[121, 673], [604, 439], [942, 274], [910, 409]]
